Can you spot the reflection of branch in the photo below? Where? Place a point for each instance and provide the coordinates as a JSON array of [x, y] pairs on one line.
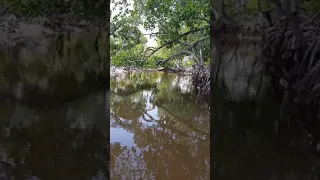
[[152, 108], [176, 131], [119, 122], [144, 118], [181, 133], [181, 120]]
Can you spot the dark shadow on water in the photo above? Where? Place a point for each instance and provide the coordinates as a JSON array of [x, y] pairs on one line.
[[48, 79], [54, 111], [69, 142], [248, 143]]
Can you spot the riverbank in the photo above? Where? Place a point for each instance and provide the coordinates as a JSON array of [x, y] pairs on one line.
[[200, 76], [119, 71]]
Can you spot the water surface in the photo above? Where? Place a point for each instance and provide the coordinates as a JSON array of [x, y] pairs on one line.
[[246, 141], [54, 114], [69, 142], [158, 129]]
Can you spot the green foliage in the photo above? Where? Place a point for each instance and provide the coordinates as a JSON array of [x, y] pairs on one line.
[[171, 16], [34, 8], [127, 41], [252, 6], [311, 6], [128, 57], [168, 19], [151, 63]]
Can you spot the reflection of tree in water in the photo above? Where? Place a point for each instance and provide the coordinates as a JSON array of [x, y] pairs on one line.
[[48, 148], [171, 131], [121, 168], [42, 77], [244, 139]]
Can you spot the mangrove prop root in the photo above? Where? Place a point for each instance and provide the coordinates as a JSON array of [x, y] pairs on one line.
[[201, 81], [284, 46]]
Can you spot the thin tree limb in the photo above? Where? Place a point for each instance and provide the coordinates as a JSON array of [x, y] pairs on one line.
[[172, 41]]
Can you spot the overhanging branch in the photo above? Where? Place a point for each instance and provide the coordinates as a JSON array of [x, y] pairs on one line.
[[147, 34], [185, 51], [194, 43], [182, 52], [154, 50]]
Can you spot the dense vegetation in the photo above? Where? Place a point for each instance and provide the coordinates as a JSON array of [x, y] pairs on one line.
[[36, 8], [179, 28]]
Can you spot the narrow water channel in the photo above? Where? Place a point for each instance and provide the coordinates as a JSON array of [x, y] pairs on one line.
[[158, 129]]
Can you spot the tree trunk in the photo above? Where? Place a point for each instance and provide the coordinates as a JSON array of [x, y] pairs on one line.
[[108, 35]]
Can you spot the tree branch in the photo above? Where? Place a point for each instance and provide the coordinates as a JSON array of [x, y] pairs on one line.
[[114, 30], [155, 33], [194, 43], [178, 54], [185, 51], [170, 42]]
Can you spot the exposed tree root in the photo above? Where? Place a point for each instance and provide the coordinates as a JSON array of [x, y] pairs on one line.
[[201, 81]]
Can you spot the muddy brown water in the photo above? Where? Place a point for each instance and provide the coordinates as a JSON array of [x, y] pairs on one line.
[[158, 130]]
